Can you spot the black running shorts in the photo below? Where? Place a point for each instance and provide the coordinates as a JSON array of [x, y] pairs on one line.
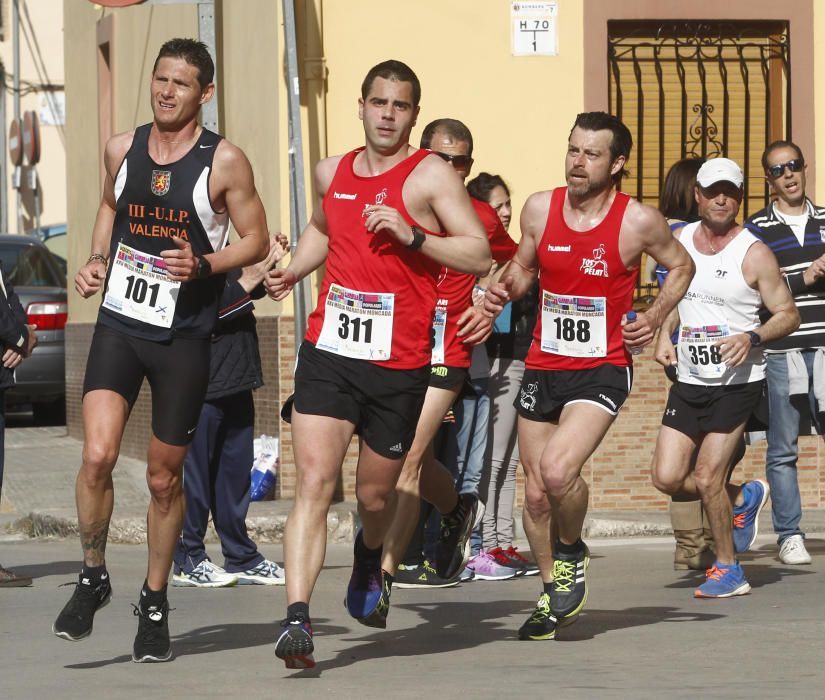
[[382, 403], [177, 370], [695, 410], [443, 377], [544, 393]]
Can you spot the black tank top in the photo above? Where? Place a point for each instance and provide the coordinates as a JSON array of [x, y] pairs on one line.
[[155, 202]]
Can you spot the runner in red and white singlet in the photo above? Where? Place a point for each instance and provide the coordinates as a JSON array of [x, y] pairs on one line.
[[585, 242], [584, 291], [364, 364], [457, 326], [376, 300]]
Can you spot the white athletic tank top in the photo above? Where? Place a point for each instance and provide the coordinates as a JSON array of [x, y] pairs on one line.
[[718, 303]]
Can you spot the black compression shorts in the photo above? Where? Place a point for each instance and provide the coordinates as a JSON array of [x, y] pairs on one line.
[[177, 370]]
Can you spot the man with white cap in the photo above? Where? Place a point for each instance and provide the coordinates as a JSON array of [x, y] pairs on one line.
[[721, 364]]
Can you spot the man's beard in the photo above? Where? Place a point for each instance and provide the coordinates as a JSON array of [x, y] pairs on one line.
[[582, 189]]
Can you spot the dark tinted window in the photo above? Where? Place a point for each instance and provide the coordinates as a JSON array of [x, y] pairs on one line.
[[30, 266]]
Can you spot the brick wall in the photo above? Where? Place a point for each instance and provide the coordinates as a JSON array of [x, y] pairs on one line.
[[619, 471]]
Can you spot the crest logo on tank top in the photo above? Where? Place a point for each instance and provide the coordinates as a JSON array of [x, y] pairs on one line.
[[161, 180], [595, 266], [379, 200]]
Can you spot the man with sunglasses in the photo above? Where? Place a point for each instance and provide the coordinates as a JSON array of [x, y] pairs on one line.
[[793, 227], [458, 326]]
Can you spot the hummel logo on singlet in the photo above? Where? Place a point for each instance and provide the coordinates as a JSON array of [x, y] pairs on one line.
[[559, 248], [341, 195], [397, 448]]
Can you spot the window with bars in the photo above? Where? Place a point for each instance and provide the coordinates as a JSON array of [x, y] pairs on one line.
[[700, 89]]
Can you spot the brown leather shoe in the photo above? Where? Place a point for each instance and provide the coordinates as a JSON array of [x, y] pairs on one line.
[[9, 579]]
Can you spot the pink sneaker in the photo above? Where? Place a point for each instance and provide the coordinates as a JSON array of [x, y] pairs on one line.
[[486, 568]]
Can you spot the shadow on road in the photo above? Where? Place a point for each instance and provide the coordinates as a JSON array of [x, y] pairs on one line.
[[53, 568], [218, 638], [489, 624]]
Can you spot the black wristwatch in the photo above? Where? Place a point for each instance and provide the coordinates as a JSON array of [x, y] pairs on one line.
[[204, 269], [756, 340], [418, 238]]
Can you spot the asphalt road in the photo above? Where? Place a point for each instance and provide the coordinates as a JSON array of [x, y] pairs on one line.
[[642, 635]]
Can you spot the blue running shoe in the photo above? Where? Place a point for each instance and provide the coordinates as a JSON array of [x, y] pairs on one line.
[[746, 516], [368, 592], [723, 581]]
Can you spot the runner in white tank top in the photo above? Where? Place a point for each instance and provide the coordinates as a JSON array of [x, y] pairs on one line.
[[719, 303], [721, 368]]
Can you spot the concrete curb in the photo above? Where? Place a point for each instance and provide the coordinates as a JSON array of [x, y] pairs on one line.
[[342, 524]]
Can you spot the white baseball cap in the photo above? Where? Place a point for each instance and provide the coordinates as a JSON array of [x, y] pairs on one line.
[[719, 170]]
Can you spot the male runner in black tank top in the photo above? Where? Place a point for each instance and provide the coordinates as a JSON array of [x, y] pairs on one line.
[[158, 256]]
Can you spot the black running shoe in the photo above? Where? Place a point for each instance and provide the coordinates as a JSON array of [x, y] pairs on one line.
[[75, 620], [569, 591], [152, 640], [294, 645], [541, 624], [421, 576], [453, 547]]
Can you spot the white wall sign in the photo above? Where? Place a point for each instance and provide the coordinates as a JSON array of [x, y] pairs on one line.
[[53, 108], [534, 28]]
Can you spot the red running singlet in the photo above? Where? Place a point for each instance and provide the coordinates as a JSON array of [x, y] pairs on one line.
[[455, 293], [377, 298], [584, 288]]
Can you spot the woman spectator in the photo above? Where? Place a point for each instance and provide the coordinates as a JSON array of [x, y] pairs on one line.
[[506, 349]]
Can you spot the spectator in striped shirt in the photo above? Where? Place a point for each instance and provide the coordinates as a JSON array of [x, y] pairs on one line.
[[794, 229]]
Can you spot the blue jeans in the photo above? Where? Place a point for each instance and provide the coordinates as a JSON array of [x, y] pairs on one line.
[[783, 438]]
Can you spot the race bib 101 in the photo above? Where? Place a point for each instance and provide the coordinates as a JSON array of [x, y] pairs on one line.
[[139, 288]]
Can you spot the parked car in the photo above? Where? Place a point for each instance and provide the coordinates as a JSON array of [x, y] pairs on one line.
[[40, 282], [54, 237]]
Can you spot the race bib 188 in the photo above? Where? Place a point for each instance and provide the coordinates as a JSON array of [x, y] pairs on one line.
[[573, 326]]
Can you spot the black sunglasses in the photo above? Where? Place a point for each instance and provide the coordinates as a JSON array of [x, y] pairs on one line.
[[779, 169], [456, 161]]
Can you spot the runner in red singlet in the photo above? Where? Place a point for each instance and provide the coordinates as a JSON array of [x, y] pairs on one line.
[[457, 326], [585, 241], [388, 217]]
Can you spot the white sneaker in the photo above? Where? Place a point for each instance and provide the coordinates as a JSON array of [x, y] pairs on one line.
[[267, 573], [205, 575], [793, 551]]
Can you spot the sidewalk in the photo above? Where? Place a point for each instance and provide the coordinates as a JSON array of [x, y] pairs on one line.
[[38, 499]]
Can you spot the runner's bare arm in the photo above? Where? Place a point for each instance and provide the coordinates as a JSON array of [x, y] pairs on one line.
[[513, 280], [665, 352], [90, 277], [656, 239], [313, 244], [762, 272], [465, 248], [233, 184]]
